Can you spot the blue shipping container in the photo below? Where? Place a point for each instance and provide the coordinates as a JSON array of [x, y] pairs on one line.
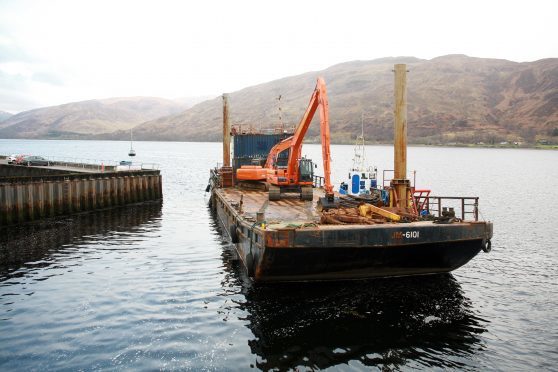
[[255, 145]]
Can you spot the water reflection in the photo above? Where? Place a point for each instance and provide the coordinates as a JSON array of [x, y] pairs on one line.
[[386, 323], [35, 245], [411, 321]]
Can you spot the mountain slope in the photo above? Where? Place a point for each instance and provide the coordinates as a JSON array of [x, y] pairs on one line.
[[450, 98], [78, 119], [4, 115]]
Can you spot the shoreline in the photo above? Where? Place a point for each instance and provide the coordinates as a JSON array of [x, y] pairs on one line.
[[459, 145]]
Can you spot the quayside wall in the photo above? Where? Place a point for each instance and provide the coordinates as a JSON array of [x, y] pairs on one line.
[[36, 196]]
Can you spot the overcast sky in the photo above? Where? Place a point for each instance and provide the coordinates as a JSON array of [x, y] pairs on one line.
[[53, 52]]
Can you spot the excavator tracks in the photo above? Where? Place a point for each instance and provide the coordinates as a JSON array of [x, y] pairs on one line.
[[306, 193], [274, 193]]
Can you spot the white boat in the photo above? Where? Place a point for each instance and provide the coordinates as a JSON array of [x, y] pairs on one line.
[[361, 179], [132, 152]]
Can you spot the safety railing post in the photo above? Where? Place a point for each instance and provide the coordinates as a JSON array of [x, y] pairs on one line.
[[476, 209]]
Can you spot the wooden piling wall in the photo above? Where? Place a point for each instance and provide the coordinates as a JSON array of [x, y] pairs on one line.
[[25, 199]]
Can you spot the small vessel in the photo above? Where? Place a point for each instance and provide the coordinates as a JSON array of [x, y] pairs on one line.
[[132, 152], [361, 179]]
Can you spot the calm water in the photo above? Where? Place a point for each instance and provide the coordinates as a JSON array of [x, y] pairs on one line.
[[158, 286]]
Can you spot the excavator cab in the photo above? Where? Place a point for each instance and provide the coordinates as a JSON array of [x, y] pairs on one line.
[[306, 170]]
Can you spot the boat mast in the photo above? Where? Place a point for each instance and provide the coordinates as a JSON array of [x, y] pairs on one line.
[[363, 155], [359, 159], [280, 114], [131, 152]]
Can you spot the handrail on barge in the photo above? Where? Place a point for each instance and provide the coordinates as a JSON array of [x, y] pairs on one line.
[[435, 204]]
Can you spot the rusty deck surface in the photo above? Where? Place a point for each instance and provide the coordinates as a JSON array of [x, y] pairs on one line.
[[289, 210]]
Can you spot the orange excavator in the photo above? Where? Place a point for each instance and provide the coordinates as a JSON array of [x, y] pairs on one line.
[[297, 176]]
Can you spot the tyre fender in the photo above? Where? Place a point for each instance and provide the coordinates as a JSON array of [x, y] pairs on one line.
[[487, 246], [250, 264], [211, 203], [233, 233]]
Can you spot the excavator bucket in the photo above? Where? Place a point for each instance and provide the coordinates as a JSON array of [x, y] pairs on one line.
[[325, 203]]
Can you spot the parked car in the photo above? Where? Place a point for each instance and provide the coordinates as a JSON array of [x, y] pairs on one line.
[[12, 158], [19, 159], [125, 162], [34, 160]]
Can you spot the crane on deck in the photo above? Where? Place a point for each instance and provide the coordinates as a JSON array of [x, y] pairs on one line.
[[297, 175]]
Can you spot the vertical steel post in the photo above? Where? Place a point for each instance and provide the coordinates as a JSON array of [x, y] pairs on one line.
[[400, 113], [76, 196], [476, 209], [400, 185], [29, 202], [4, 205], [226, 132]]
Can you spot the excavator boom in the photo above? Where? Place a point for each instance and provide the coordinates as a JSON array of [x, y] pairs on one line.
[[290, 175]]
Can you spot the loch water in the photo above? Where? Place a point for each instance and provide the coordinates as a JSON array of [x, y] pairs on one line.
[[158, 286]]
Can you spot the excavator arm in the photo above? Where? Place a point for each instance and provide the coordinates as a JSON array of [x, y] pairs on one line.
[[294, 145], [276, 150], [325, 137]]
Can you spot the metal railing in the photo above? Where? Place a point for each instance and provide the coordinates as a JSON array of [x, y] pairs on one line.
[[463, 204], [318, 181], [252, 129], [83, 163], [99, 164], [386, 179], [95, 164]]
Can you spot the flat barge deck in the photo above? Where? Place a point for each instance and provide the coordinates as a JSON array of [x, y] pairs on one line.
[[316, 234], [285, 241]]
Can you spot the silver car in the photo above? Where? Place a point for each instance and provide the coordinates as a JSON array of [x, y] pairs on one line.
[[34, 160], [12, 158]]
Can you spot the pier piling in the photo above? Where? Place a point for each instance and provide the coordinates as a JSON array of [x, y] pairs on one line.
[[28, 198]]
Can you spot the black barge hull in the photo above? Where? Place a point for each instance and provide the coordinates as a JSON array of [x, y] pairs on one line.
[[339, 263], [343, 252]]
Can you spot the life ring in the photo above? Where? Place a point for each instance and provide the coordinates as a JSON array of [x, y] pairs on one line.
[[487, 246], [233, 233]]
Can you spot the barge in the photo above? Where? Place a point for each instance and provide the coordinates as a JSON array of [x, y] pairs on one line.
[[328, 236]]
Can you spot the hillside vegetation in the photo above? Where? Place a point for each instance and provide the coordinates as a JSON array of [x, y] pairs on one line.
[[81, 119], [453, 98]]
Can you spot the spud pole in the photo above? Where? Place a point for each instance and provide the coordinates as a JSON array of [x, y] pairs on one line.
[[400, 184]]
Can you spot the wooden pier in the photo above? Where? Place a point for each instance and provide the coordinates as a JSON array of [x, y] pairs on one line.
[[33, 193]]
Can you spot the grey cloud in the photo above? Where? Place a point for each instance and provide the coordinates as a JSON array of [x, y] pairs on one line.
[[10, 53], [48, 77], [14, 93], [15, 103], [14, 82]]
